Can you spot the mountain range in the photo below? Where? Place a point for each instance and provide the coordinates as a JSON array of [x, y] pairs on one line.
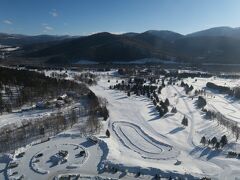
[[215, 45]]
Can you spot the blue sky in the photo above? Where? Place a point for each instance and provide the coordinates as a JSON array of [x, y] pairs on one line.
[[82, 17]]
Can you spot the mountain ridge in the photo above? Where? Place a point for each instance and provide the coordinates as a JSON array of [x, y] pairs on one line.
[[214, 45]]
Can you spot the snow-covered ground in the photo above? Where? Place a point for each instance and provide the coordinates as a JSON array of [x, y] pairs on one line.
[[4, 48], [41, 160], [141, 138], [141, 141], [47, 166], [33, 114], [226, 105]]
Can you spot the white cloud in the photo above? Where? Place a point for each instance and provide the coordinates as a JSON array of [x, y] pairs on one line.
[[47, 28], [117, 33], [54, 13], [6, 21]]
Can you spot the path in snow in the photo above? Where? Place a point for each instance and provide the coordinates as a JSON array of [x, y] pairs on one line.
[[190, 116], [133, 137], [223, 164]]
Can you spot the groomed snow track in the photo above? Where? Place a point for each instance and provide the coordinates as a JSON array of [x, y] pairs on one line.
[[135, 138]]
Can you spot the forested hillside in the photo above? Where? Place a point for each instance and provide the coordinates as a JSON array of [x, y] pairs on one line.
[[19, 87]]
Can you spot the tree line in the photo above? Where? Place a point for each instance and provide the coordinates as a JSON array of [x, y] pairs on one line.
[[14, 135], [231, 125], [214, 142], [235, 92]]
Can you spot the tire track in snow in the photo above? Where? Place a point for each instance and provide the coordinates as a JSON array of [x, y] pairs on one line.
[[225, 167], [161, 151], [191, 117]]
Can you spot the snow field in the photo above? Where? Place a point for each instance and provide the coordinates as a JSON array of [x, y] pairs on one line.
[[142, 141], [128, 148]]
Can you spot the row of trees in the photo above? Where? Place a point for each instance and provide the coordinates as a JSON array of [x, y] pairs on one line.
[[214, 142], [181, 75], [231, 125], [136, 87], [162, 107], [224, 89], [14, 136], [151, 91], [221, 89], [232, 154], [87, 78], [97, 108], [186, 87], [200, 92]]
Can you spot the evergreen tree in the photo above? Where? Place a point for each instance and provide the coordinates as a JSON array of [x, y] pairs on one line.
[[154, 102], [107, 133], [217, 145], [223, 140], [191, 88], [201, 102], [174, 110], [163, 84], [156, 176], [214, 141], [203, 140], [209, 142], [161, 113], [165, 109], [185, 121], [167, 102]]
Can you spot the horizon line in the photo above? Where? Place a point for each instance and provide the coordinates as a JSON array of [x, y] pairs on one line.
[[116, 33]]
